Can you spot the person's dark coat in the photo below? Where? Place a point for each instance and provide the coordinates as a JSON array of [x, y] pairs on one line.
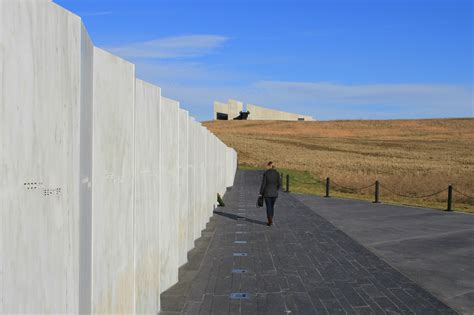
[[271, 183]]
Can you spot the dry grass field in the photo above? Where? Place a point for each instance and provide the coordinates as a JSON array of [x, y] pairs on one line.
[[408, 157]]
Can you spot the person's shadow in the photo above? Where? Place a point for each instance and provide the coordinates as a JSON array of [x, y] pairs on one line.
[[236, 217]]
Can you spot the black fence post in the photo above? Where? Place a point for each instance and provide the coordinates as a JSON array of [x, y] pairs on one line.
[[450, 198], [287, 182], [377, 192], [281, 178], [327, 187]]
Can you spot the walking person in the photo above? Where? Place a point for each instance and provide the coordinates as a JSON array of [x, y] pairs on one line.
[[271, 183]]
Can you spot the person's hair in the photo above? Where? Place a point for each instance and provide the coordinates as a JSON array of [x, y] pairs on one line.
[[270, 164]]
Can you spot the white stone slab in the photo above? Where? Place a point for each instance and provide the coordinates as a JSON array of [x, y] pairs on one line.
[[197, 179], [43, 54], [214, 168], [222, 167], [230, 167], [169, 186], [200, 178], [113, 171], [191, 184], [147, 197], [204, 196], [209, 174], [183, 187]]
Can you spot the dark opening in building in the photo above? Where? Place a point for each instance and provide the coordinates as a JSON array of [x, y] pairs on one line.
[[242, 116], [301, 118], [222, 116]]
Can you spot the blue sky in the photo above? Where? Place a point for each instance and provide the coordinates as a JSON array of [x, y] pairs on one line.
[[333, 59]]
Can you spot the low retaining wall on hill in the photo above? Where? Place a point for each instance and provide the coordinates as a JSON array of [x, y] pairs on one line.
[[105, 184]]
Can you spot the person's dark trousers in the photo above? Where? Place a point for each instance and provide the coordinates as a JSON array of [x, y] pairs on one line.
[[270, 203]]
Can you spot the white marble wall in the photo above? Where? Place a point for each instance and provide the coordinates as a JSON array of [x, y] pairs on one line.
[[211, 167], [147, 196], [169, 186], [113, 184], [45, 64], [231, 161], [204, 179], [106, 183], [214, 161], [191, 184], [183, 188], [197, 184]]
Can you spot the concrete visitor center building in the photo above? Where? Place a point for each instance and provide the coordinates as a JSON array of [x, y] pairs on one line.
[[234, 110]]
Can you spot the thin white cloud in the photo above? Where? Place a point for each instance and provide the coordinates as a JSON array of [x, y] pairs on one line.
[[369, 100], [339, 101], [171, 72], [172, 47], [188, 72], [197, 86]]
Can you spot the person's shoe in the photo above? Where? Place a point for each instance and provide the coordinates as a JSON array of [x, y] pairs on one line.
[[270, 221]]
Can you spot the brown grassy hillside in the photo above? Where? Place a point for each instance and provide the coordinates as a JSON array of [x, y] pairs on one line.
[[414, 157]]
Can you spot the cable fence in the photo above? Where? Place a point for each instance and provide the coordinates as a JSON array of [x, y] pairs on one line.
[[352, 188], [411, 196], [378, 188], [306, 183], [463, 194]]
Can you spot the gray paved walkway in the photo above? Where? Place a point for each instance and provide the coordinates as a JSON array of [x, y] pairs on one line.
[[301, 265], [434, 248]]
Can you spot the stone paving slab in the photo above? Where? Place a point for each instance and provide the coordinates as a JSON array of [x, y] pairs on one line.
[[301, 265], [434, 248]]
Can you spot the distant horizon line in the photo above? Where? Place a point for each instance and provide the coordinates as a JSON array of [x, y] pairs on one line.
[[358, 119]]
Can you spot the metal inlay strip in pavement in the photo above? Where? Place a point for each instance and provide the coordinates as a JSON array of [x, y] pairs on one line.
[[239, 270], [240, 242], [240, 254], [239, 296], [240, 232]]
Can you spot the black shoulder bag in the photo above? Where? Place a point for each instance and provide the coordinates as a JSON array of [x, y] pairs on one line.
[[260, 202]]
